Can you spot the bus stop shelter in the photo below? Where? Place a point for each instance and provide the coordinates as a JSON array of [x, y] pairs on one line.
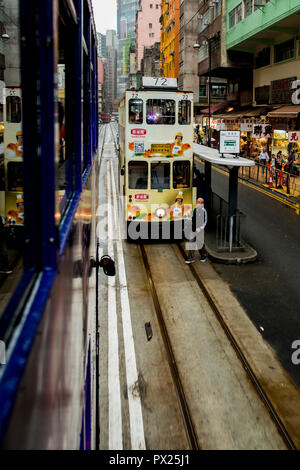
[[212, 157]]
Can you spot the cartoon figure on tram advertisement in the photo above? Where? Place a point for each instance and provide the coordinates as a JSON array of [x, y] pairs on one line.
[[11, 200]]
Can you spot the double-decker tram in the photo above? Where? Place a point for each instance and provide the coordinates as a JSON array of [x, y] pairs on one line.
[[156, 158]]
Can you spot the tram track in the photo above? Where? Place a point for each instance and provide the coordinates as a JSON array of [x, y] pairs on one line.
[[184, 408], [179, 387]]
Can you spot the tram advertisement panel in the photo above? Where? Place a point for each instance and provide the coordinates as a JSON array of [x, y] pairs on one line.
[[12, 204]]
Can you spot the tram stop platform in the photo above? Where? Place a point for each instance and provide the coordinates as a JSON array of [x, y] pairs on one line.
[[224, 237], [242, 255]]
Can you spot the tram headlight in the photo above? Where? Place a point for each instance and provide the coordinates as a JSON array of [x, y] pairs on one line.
[[160, 212]]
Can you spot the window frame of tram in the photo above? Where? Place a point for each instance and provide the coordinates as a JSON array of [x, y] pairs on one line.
[[161, 184], [164, 105], [65, 160], [135, 111], [184, 110], [183, 172], [134, 164]]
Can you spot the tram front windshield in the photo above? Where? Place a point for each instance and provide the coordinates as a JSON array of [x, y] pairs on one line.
[[160, 175], [159, 111]]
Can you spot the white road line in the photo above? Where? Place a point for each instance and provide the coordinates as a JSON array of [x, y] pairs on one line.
[[134, 400], [114, 389]]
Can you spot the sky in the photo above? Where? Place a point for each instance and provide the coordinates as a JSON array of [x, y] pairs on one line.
[[105, 12]]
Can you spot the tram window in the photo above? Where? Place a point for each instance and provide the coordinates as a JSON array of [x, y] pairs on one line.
[[13, 109], [160, 111], [181, 174], [184, 112], [15, 176], [135, 108], [160, 175], [138, 175]]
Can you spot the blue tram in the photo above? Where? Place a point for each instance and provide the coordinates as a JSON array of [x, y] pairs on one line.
[[48, 326]]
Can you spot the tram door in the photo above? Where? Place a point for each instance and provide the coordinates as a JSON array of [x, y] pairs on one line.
[[11, 199]]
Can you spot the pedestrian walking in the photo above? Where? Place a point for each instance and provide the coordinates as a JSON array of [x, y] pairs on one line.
[[263, 157], [196, 237]]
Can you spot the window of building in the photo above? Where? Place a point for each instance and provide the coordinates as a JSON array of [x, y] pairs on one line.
[[160, 111], [135, 111], [262, 95], [150, 25], [248, 7], [151, 6], [157, 6], [263, 58], [184, 112], [284, 51], [202, 90], [181, 174], [138, 175], [218, 91], [235, 15], [160, 175]]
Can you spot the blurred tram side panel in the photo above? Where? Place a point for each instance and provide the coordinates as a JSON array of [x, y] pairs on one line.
[[48, 383]]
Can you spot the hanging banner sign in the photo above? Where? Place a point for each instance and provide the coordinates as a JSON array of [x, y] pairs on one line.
[[230, 141], [294, 136], [262, 130]]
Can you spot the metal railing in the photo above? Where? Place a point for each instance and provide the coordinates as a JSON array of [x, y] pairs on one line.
[[273, 177], [229, 230]]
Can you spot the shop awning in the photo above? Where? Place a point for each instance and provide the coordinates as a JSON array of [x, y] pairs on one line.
[[285, 112], [244, 113], [216, 107]]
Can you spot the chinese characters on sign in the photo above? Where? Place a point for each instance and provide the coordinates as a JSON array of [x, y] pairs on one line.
[[262, 130], [294, 136], [230, 142]]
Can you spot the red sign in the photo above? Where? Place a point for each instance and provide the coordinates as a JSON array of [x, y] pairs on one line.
[[138, 132], [142, 196]]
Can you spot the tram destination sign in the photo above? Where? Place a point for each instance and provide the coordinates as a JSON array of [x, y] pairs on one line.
[[230, 141], [159, 82]]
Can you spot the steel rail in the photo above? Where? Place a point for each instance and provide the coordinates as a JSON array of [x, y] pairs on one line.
[[184, 408], [282, 429]]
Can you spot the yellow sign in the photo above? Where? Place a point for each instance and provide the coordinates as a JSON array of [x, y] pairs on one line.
[[161, 148]]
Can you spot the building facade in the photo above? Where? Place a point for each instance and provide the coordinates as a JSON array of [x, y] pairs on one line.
[[169, 39], [147, 27], [126, 19], [150, 63], [188, 34], [269, 30]]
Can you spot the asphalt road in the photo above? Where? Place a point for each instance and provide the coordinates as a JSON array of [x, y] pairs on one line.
[[268, 289]]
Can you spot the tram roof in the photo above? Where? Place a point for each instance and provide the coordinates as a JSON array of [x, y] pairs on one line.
[[213, 156]]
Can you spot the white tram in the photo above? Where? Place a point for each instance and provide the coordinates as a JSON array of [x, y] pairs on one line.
[[156, 155]]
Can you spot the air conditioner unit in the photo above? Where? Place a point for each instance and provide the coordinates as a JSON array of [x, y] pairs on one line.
[[172, 52]]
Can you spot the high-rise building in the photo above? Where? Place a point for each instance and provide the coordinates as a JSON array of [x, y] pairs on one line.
[[101, 45], [147, 27], [126, 18]]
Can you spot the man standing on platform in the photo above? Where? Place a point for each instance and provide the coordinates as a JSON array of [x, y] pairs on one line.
[[199, 221]]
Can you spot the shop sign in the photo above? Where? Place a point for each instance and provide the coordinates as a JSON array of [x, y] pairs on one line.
[[281, 90], [246, 125], [262, 130], [230, 141], [228, 124], [294, 136]]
